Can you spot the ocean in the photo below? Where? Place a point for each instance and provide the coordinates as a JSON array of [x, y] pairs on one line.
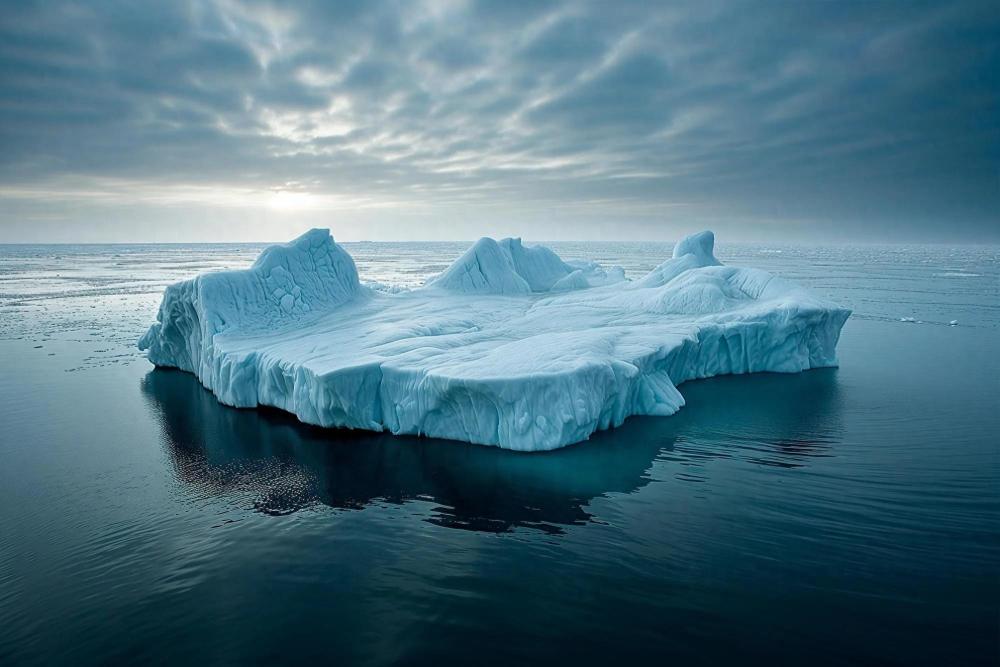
[[837, 516]]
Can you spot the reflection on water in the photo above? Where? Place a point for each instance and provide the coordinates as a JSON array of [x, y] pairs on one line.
[[280, 466]]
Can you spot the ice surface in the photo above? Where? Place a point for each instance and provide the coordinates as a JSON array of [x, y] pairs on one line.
[[509, 346]]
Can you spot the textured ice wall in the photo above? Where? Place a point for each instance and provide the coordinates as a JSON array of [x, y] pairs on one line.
[[308, 276], [494, 351]]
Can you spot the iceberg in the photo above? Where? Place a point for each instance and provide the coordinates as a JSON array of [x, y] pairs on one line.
[[510, 346]]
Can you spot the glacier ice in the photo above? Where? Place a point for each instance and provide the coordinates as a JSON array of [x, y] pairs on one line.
[[509, 346], [507, 267]]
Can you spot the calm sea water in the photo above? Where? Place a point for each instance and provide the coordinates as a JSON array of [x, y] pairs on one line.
[[838, 516]]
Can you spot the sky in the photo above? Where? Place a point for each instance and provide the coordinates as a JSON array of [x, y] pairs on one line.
[[244, 120]]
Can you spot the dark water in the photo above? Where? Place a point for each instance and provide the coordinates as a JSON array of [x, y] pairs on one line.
[[842, 516]]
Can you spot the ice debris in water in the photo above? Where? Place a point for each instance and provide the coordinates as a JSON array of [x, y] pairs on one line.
[[509, 346]]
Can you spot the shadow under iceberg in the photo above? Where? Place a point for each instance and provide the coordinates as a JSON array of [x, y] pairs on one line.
[[284, 465]]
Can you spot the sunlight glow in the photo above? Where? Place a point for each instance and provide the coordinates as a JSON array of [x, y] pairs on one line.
[[284, 200]]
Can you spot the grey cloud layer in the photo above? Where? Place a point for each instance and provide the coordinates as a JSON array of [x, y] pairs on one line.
[[873, 114]]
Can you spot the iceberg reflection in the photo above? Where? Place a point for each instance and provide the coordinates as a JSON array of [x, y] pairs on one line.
[[281, 465]]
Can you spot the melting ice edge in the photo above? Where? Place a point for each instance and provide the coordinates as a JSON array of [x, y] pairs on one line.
[[510, 346]]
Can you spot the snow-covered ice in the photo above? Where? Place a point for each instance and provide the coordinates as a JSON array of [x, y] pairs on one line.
[[507, 267], [509, 346]]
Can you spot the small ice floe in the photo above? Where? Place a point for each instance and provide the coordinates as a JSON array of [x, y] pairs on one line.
[[958, 274], [912, 320], [385, 288], [953, 323]]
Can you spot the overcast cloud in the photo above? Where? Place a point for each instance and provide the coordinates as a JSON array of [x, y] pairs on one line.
[[418, 120]]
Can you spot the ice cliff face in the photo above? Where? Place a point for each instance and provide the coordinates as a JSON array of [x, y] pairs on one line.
[[312, 274], [510, 346]]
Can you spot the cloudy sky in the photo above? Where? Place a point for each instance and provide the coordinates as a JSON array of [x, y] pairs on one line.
[[248, 120]]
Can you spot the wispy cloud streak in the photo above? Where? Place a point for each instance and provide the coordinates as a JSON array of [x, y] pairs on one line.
[[827, 118]]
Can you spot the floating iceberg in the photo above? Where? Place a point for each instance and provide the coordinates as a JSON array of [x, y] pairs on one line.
[[510, 346]]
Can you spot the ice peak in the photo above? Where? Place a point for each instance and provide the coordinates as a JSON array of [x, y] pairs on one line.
[[701, 245], [314, 238], [485, 268], [510, 267], [691, 252], [316, 234]]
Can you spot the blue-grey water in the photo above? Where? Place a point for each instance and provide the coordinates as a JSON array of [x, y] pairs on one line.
[[838, 516]]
